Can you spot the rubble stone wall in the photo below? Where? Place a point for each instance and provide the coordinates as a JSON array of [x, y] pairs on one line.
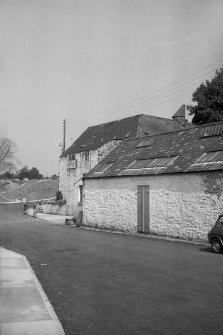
[[70, 179], [181, 205]]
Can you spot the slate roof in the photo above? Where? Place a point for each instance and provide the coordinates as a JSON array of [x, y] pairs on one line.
[[188, 150], [135, 126]]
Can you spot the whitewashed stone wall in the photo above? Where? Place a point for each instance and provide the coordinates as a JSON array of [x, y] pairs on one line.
[[48, 209], [69, 181], [54, 209], [181, 205]]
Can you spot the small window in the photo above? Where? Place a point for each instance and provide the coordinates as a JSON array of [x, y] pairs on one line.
[[81, 193], [72, 164], [71, 157], [220, 222], [87, 157]]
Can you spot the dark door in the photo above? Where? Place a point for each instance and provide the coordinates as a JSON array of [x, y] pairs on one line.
[[143, 208]]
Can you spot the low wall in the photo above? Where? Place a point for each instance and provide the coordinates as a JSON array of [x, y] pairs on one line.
[[54, 208], [47, 207], [59, 208]]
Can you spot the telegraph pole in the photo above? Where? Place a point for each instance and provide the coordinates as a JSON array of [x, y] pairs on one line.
[[64, 135]]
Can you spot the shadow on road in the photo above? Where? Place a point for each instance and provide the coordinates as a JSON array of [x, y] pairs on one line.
[[206, 249]]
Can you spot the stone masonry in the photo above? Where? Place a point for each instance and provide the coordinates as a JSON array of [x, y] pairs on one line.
[[71, 178], [181, 205]]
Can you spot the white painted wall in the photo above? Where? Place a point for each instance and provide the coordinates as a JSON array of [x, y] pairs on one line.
[[181, 205], [69, 181]]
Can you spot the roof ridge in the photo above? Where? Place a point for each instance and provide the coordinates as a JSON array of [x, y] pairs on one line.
[[132, 116], [139, 126], [117, 120], [174, 131], [158, 117]]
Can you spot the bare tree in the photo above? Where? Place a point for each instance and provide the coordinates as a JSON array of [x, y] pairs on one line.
[[7, 155]]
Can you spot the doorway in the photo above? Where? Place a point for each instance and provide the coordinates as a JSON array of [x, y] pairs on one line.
[[143, 209]]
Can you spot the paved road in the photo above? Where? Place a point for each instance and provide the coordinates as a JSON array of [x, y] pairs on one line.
[[105, 283]]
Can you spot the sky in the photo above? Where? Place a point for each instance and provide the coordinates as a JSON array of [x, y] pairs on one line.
[[95, 61]]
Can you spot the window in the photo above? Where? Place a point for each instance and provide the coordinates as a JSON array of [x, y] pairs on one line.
[[220, 222], [71, 166], [71, 157], [87, 157], [81, 193]]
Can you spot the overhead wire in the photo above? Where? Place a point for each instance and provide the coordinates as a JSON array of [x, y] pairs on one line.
[[140, 100], [146, 105], [145, 102]]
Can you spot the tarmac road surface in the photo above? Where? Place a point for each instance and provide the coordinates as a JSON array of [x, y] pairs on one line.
[[102, 283]]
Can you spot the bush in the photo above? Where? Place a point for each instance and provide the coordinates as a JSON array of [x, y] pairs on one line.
[[59, 195]]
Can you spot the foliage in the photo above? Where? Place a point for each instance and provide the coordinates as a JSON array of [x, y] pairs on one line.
[[35, 174], [209, 99], [59, 195], [29, 174], [7, 155], [22, 174], [7, 175]]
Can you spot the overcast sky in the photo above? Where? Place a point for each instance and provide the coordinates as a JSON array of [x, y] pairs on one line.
[[80, 60]]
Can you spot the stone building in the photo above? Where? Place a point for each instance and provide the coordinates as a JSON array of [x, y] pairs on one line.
[[168, 184], [95, 144]]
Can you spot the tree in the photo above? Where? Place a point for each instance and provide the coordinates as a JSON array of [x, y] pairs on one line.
[[7, 155], [8, 175], [29, 174], [209, 99], [34, 174], [23, 173]]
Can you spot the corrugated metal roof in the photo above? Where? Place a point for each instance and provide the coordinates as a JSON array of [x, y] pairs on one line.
[[210, 160], [213, 156], [172, 152], [212, 130], [151, 163], [102, 169]]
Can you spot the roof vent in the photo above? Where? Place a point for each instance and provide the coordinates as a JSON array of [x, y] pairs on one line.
[[145, 143], [179, 116]]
